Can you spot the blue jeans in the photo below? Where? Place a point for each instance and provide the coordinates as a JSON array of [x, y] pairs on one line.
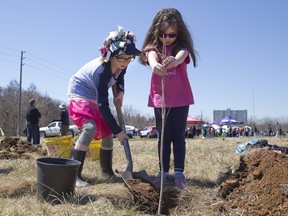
[[174, 132], [33, 133]]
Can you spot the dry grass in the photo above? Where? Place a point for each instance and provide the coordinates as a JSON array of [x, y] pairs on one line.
[[206, 159]]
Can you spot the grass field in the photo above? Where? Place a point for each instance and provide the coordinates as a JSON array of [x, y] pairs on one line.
[[206, 161]]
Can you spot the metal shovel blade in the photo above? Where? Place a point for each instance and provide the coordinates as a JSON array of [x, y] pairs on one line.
[[126, 176], [127, 173], [143, 176]]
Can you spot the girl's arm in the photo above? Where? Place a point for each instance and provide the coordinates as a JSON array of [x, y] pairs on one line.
[[120, 88], [172, 61], [119, 98], [157, 68], [101, 82]]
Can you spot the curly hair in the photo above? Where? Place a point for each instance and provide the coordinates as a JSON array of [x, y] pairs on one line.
[[165, 18]]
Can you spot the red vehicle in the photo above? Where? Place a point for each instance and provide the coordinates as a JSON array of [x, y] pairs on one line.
[[149, 131]]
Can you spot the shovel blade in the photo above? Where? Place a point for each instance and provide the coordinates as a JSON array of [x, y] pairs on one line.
[[143, 176], [128, 175]]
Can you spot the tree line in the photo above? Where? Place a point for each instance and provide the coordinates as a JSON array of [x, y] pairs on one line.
[[48, 107]]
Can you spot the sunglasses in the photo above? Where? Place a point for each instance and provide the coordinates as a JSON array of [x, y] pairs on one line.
[[122, 60], [163, 35]]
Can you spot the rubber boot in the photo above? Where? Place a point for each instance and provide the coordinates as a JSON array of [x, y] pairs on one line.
[[79, 156], [106, 163]]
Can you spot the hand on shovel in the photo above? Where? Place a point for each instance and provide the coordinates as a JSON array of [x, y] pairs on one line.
[[122, 136]]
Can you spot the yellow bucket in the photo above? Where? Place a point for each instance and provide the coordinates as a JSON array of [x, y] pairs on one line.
[[94, 150], [59, 146]]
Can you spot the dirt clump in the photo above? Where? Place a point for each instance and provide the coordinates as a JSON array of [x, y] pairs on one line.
[[259, 186], [15, 147], [146, 196]]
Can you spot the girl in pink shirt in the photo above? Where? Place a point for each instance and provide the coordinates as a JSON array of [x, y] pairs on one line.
[[167, 46]]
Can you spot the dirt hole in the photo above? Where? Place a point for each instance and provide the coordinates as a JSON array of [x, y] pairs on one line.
[[147, 197]]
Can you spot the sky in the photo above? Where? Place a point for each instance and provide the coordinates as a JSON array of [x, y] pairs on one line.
[[242, 46]]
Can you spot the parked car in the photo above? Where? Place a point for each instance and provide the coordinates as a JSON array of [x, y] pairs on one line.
[[129, 130], [149, 131], [53, 130]]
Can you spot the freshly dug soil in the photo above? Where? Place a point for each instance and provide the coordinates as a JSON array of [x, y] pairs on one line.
[[259, 186], [12, 148], [147, 196]]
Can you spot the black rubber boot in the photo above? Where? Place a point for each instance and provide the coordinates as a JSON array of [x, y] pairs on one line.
[[79, 156], [106, 163]]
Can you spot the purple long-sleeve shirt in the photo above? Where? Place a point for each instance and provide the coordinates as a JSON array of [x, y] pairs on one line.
[[92, 81]]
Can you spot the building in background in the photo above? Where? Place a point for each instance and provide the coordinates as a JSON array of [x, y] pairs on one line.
[[239, 115]]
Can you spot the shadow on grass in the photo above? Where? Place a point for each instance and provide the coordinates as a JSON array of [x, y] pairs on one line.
[[115, 179], [206, 183], [6, 171], [20, 190], [201, 183]]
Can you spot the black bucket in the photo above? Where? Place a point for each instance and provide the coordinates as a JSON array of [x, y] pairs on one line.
[[56, 178]]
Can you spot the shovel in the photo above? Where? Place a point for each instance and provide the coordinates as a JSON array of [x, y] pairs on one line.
[[128, 173]]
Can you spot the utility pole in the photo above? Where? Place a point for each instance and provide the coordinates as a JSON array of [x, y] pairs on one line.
[[20, 95], [254, 116]]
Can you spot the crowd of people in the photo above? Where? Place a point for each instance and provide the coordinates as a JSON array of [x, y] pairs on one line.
[[229, 131], [208, 131]]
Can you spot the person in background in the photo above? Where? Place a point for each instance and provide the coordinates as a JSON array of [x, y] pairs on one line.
[[32, 120], [278, 129], [269, 130], [220, 131], [255, 131], [190, 132], [64, 117], [167, 46], [89, 99], [193, 131]]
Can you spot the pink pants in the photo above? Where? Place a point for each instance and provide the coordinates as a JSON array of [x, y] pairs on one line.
[[81, 110]]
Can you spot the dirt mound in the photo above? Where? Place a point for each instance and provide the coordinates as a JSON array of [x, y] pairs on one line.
[[17, 148], [258, 186], [146, 197]]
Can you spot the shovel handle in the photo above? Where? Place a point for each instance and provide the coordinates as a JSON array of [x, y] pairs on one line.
[[122, 125]]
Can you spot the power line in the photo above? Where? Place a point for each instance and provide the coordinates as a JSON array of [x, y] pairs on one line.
[[8, 55], [33, 58], [9, 61], [9, 48], [63, 69]]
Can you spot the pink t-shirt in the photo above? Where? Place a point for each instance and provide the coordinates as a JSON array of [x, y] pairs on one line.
[[177, 89]]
